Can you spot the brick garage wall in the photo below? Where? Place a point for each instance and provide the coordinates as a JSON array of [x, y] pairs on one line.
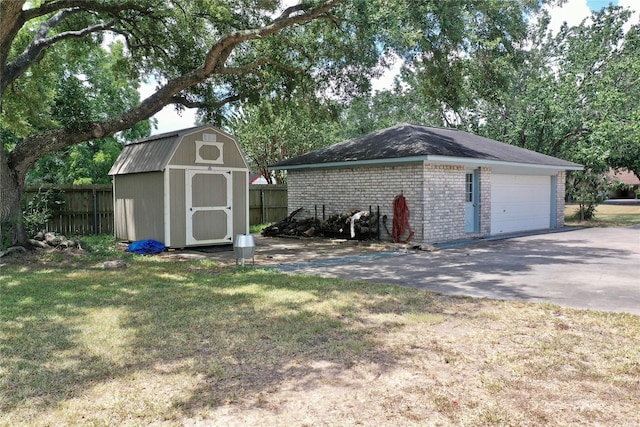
[[485, 202], [343, 189], [444, 203], [437, 210], [560, 194]]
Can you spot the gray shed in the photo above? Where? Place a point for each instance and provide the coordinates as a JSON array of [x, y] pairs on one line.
[[183, 188]]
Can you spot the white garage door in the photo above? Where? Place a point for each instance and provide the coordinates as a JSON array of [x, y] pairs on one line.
[[519, 203]]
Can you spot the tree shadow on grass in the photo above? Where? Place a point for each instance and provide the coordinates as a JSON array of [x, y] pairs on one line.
[[240, 333]]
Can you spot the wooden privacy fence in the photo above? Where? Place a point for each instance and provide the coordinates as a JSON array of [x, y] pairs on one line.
[[88, 209], [267, 203], [78, 209]]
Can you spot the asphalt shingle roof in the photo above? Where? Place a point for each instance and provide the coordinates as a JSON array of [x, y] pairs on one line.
[[410, 141]]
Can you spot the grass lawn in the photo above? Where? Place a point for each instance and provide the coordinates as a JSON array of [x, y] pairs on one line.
[[189, 343], [605, 216]]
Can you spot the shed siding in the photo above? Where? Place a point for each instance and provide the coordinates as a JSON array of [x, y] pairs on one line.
[[240, 203], [139, 206], [178, 209], [185, 155], [340, 190]]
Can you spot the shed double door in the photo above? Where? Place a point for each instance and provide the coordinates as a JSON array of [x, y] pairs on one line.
[[209, 207]]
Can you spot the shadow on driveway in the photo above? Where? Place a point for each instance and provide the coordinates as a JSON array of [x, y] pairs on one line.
[[597, 268]]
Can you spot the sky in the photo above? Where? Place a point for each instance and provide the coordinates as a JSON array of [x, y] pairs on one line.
[[572, 12]]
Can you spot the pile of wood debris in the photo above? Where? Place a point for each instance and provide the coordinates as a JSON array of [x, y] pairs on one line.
[[54, 240], [356, 225], [44, 240]]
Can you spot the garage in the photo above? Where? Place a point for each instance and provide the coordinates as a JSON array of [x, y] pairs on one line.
[[455, 185], [520, 203]]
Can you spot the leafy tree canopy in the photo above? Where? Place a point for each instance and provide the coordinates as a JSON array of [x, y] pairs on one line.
[[61, 87], [435, 39], [280, 127], [574, 96], [69, 70]]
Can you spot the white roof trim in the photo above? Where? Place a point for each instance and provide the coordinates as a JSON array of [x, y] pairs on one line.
[[486, 162], [431, 159]]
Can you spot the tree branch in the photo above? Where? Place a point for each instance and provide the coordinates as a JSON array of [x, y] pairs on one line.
[[30, 149], [295, 47], [85, 5], [216, 58], [14, 18], [291, 10], [40, 42], [245, 69], [572, 135], [183, 100]]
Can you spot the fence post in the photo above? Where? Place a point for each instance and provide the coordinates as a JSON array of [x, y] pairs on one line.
[[378, 222], [95, 213], [370, 217], [263, 213]]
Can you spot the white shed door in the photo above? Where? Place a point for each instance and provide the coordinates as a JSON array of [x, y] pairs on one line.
[[519, 203], [209, 207]]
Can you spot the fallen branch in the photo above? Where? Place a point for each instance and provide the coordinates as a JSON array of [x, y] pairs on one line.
[[13, 249]]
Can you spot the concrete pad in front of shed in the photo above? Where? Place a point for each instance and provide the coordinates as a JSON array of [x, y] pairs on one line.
[[288, 253], [595, 268]]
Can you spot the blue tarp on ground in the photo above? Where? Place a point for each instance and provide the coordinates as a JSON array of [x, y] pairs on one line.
[[146, 247]]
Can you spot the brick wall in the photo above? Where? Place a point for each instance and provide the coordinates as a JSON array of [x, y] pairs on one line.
[[560, 194], [437, 208], [340, 190], [444, 203], [485, 202]]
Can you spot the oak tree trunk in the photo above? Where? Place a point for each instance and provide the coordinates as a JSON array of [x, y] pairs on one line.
[[12, 230]]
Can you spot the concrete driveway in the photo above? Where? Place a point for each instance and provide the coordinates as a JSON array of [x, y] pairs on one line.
[[596, 268]]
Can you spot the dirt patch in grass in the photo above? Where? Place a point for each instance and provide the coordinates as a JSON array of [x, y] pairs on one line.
[[182, 343], [482, 363]]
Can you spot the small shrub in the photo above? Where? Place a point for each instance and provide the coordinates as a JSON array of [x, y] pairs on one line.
[[101, 245], [38, 210], [257, 228], [588, 189]]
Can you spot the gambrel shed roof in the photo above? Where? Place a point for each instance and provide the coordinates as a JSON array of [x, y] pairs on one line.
[[154, 153], [409, 143]]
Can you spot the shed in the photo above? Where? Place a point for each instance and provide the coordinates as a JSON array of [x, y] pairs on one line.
[[457, 185], [184, 188]]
